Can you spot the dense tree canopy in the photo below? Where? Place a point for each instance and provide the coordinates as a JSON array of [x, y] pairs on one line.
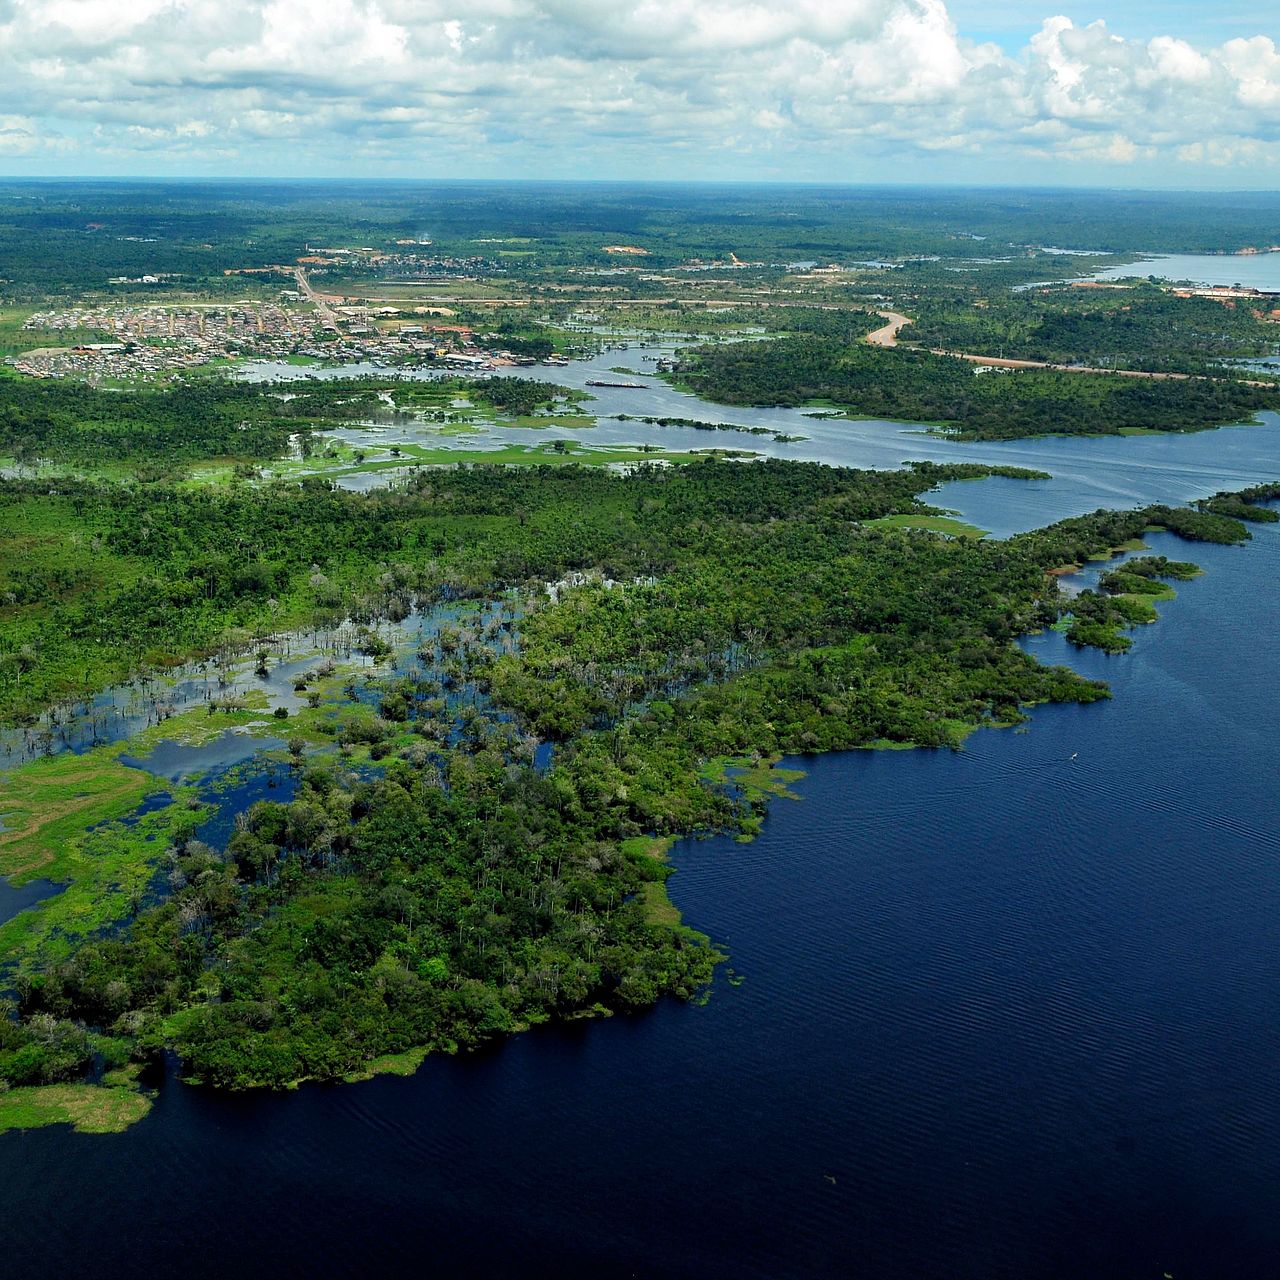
[[977, 403]]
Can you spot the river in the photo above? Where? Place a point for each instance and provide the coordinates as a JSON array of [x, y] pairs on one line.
[[1088, 472], [1008, 1012]]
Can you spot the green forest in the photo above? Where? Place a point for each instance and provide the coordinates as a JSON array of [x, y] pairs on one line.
[[1144, 327], [427, 885], [155, 432], [972, 403], [56, 236]]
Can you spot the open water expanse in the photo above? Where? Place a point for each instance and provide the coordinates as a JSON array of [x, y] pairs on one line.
[[1253, 270], [1004, 1012]]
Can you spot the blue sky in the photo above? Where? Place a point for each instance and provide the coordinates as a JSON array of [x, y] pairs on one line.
[[1013, 23], [1114, 93]]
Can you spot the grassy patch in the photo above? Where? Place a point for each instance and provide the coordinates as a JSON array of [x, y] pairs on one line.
[[648, 846], [1165, 592], [933, 524], [87, 1108], [541, 421], [73, 819], [548, 453], [391, 1064], [51, 801], [658, 907], [754, 779]]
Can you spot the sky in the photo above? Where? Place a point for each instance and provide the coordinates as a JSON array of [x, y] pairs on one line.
[[1111, 93]]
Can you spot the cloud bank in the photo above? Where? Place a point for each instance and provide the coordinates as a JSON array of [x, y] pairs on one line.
[[834, 89]]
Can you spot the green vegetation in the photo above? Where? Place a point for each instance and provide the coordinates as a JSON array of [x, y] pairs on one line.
[[975, 471], [426, 887], [935, 524], [1244, 504], [61, 237], [521, 396], [971, 403], [467, 832], [154, 432], [1128, 593], [1144, 327], [697, 424], [72, 819], [105, 1108], [71, 422]]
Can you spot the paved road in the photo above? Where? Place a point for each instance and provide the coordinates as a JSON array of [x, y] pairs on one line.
[[321, 303]]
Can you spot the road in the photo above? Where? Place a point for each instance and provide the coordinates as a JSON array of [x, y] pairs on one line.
[[888, 337], [321, 303], [885, 336]]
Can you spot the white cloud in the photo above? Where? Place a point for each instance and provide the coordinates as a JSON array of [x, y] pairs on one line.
[[1255, 64], [567, 85], [17, 135], [1177, 60]]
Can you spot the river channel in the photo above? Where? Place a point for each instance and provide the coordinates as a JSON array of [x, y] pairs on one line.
[[1088, 473]]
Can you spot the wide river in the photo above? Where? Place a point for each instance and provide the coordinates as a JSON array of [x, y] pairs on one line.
[[1008, 1012]]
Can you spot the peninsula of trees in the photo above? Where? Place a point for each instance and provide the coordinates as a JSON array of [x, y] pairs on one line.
[[433, 879]]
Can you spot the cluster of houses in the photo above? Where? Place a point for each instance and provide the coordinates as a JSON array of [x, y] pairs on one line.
[[400, 264], [153, 339], [137, 340]]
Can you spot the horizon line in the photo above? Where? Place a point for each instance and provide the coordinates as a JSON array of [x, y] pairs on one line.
[[814, 183]]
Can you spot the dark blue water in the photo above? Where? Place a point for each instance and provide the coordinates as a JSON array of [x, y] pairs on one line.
[[233, 792], [16, 898], [1005, 1014]]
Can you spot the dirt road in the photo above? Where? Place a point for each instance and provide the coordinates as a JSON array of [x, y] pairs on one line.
[[888, 335]]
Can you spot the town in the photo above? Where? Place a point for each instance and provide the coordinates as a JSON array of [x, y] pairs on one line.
[[150, 340]]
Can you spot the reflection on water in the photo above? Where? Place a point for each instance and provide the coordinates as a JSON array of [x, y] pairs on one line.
[[15, 898], [233, 792], [234, 677], [179, 761]]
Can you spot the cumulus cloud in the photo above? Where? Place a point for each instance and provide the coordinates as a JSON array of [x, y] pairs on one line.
[[567, 84]]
